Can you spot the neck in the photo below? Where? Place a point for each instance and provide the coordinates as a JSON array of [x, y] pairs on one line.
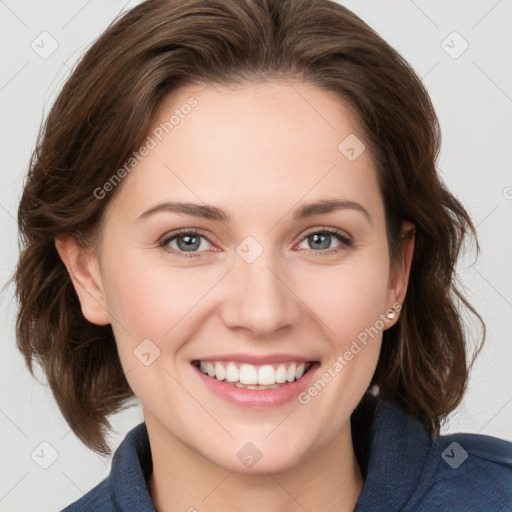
[[182, 479]]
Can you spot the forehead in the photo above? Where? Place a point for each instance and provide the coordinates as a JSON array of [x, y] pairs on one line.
[[280, 115], [249, 148]]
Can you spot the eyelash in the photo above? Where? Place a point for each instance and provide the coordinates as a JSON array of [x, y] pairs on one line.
[[345, 242]]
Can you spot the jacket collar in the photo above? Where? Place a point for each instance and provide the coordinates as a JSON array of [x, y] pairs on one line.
[[398, 460], [393, 452]]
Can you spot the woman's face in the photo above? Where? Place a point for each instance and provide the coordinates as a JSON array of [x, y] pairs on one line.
[[259, 285]]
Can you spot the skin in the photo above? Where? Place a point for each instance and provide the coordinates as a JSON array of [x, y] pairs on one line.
[[259, 152]]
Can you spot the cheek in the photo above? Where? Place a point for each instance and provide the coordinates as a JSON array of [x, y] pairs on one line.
[[140, 310], [350, 303], [349, 299], [148, 299]]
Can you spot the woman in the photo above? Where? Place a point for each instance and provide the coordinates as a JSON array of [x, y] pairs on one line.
[[234, 215]]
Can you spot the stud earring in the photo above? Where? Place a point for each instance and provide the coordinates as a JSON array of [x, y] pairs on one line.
[[391, 314]]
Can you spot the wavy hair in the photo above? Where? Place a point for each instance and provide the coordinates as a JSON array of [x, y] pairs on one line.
[[103, 114]]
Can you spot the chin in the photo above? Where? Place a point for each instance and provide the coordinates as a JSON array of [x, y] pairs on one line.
[[251, 458]]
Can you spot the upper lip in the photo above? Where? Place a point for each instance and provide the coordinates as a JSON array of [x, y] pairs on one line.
[[257, 359]]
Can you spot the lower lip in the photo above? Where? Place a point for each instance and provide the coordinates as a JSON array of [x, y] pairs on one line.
[[259, 398]]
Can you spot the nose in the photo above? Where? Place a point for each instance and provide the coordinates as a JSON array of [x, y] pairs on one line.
[[259, 297]]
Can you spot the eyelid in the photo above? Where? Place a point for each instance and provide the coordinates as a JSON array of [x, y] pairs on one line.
[[325, 229], [345, 240], [168, 237]]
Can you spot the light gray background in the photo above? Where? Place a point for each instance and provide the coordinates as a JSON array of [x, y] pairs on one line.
[[473, 98]]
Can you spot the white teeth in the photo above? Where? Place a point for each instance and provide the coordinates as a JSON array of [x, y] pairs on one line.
[[266, 375], [254, 376], [290, 374], [248, 374], [281, 374], [245, 386], [232, 372], [210, 369], [220, 372]]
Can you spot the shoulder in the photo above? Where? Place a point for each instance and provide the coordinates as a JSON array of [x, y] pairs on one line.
[[409, 472], [469, 472], [125, 489], [98, 499]]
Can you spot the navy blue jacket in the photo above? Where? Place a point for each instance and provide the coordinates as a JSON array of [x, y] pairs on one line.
[[403, 470]]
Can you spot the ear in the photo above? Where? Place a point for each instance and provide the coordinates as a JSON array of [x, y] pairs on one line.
[[399, 278], [83, 268]]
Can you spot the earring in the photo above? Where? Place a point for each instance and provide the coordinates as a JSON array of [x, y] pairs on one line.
[[391, 314]]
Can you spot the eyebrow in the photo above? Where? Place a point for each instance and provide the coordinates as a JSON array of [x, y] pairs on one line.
[[210, 212]]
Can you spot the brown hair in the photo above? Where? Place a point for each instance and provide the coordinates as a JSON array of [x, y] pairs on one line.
[[103, 114]]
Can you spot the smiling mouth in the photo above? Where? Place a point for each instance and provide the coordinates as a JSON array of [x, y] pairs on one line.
[[248, 376]]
